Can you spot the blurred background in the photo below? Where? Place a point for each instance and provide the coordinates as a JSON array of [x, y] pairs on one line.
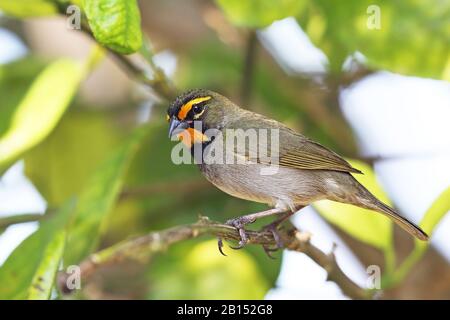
[[368, 79]]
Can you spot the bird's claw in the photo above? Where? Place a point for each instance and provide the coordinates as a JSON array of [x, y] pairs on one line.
[[220, 246], [239, 223], [272, 228], [269, 251]]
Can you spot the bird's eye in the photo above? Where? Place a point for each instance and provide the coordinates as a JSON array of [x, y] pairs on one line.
[[197, 109]]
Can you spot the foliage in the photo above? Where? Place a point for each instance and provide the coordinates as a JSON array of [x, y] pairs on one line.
[[104, 179], [115, 24], [341, 30], [48, 97], [28, 8], [30, 270]]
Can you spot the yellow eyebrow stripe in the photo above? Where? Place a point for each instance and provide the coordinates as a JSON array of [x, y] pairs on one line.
[[184, 110]]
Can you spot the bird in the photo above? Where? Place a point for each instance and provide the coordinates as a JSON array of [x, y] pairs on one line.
[[303, 172]]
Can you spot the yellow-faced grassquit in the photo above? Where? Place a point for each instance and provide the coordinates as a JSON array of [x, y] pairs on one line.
[[305, 171]]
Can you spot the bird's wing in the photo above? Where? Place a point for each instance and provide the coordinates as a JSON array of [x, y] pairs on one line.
[[309, 155], [294, 149]]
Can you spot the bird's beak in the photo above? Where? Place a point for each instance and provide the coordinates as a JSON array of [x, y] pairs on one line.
[[176, 126]]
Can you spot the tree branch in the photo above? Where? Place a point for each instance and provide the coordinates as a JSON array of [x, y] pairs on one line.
[[142, 248], [157, 80], [248, 68], [5, 222]]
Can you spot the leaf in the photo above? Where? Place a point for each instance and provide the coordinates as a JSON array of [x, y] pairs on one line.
[[198, 271], [15, 79], [413, 37], [28, 8], [55, 166], [40, 109], [29, 260], [365, 225], [44, 278], [98, 198], [437, 211], [258, 13], [116, 24]]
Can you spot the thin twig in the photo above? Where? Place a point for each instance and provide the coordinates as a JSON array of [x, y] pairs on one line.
[[156, 79], [248, 68], [144, 247], [20, 218]]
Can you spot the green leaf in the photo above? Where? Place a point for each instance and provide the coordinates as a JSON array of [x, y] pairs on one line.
[[200, 272], [44, 278], [116, 24], [413, 37], [28, 8], [258, 13], [15, 79], [365, 225], [437, 211], [29, 261], [40, 109], [98, 198], [55, 166]]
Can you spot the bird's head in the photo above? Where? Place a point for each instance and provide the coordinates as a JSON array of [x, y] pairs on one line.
[[193, 112]]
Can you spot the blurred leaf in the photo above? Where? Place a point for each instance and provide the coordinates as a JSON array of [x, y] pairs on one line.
[[61, 165], [28, 8], [40, 109], [200, 272], [15, 79], [32, 256], [437, 211], [259, 13], [115, 24], [413, 38], [365, 225], [97, 199], [44, 278]]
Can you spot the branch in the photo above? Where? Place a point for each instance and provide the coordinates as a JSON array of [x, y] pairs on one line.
[[142, 248], [5, 222], [158, 80], [248, 68]]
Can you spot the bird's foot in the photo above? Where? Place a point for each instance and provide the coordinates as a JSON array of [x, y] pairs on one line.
[[239, 223], [273, 228], [220, 246], [269, 251]]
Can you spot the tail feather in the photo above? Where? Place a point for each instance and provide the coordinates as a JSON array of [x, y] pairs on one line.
[[369, 201]]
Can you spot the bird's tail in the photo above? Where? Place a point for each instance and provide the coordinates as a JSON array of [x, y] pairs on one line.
[[367, 200]]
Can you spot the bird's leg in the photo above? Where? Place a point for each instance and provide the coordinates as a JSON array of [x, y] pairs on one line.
[[273, 228], [240, 222]]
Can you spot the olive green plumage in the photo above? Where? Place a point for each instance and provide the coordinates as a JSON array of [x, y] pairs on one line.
[[307, 171]]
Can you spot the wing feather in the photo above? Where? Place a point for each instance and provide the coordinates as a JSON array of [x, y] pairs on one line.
[[295, 150]]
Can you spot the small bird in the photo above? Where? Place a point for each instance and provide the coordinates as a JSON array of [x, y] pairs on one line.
[[306, 172]]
